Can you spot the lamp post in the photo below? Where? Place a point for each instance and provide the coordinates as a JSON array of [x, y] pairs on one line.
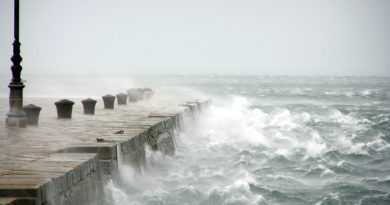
[[16, 116]]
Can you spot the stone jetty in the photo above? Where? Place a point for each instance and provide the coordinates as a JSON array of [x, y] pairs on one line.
[[65, 161]]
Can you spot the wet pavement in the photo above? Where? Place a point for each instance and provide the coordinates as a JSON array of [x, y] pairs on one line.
[[31, 156]]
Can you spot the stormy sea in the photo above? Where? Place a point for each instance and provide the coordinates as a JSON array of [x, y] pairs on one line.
[[263, 140], [272, 140]]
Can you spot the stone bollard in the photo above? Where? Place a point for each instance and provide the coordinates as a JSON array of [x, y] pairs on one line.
[[32, 114], [64, 108], [89, 106], [133, 95], [147, 93], [108, 101], [140, 93], [121, 98]]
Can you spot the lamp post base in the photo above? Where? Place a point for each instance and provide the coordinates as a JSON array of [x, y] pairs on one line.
[[16, 116], [16, 121]]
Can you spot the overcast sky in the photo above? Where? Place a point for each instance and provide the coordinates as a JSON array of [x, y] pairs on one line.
[[247, 37]]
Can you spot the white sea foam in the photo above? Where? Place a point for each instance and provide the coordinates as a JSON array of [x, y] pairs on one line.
[[366, 92], [281, 147]]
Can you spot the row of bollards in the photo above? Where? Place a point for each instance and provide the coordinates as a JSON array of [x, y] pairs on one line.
[[64, 107]]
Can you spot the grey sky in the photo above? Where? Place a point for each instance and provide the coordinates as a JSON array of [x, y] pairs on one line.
[[262, 37]]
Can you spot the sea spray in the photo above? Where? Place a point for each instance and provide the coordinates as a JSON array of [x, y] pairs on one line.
[[278, 143]]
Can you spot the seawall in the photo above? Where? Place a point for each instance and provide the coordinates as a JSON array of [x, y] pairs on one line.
[[65, 162]]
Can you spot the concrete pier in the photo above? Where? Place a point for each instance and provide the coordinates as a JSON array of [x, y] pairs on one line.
[[65, 161]]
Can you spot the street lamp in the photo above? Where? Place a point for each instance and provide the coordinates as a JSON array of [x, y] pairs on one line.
[[16, 116]]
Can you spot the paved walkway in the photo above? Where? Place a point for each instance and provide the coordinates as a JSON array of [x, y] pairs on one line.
[[29, 156]]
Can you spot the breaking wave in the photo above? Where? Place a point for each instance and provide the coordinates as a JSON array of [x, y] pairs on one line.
[[252, 148]]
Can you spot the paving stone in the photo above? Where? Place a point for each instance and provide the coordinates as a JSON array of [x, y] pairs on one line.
[[45, 162]]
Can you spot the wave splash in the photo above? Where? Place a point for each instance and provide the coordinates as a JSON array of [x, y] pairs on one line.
[[243, 153]]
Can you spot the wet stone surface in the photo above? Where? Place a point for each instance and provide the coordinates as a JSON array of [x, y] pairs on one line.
[[46, 160]]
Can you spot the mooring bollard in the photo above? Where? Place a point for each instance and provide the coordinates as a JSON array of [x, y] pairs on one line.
[[133, 95], [89, 106], [121, 98], [140, 93], [64, 108], [108, 101], [32, 114], [147, 93]]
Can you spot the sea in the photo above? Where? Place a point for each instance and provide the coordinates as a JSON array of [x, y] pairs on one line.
[[321, 140]]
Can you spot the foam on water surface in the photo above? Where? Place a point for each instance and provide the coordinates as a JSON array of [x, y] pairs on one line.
[[276, 140], [268, 140]]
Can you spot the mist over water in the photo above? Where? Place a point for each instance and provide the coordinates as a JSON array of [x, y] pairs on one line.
[[273, 140], [264, 140]]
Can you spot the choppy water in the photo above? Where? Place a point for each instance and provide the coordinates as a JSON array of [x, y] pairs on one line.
[[274, 140], [265, 140]]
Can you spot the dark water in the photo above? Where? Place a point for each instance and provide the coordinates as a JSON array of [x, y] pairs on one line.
[[274, 140]]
